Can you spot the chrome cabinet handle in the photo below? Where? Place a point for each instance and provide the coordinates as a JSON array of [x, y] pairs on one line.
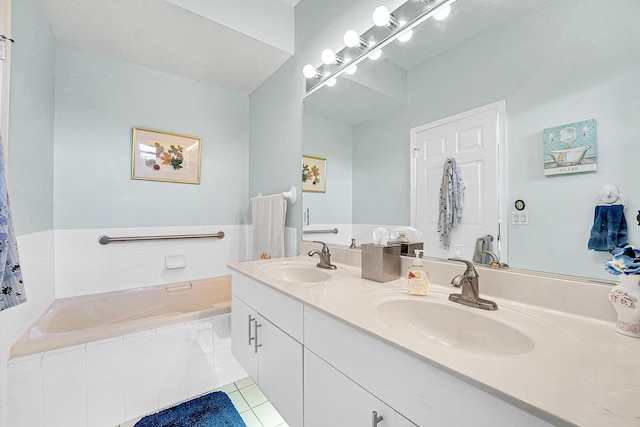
[[376, 419], [255, 342], [251, 319]]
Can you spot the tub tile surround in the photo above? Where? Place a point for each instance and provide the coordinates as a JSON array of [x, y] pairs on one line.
[[65, 263], [107, 382], [37, 262], [83, 266], [578, 372]]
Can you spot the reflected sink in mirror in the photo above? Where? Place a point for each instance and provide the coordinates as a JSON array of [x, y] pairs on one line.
[[298, 272], [455, 326]]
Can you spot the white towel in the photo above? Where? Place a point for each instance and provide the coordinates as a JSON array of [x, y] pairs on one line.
[[269, 213]]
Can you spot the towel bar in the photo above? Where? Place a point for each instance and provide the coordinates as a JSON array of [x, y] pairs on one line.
[[291, 195]]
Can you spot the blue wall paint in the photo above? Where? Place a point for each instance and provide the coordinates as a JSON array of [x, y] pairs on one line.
[[275, 156], [98, 101], [561, 72], [331, 140], [31, 119]]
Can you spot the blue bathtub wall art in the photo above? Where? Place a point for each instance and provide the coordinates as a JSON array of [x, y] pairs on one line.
[[570, 148]]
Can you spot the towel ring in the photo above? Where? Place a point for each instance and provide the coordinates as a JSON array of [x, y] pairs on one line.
[[609, 194]]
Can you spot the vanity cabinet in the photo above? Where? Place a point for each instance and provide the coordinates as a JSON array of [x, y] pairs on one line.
[[332, 399], [348, 373], [271, 356], [424, 394]]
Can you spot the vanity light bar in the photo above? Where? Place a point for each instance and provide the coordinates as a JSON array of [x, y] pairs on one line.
[[385, 41]]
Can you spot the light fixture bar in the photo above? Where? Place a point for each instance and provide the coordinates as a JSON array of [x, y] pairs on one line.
[[383, 42]]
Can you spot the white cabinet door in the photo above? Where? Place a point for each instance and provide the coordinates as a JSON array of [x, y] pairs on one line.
[[242, 330], [332, 399], [271, 357], [280, 371]]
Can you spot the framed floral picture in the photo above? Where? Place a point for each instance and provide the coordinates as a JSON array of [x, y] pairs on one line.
[[314, 174], [165, 156]]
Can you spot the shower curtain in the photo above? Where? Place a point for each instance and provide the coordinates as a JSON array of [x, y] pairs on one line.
[[12, 288]]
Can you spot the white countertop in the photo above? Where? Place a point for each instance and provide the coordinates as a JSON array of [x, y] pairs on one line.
[[579, 371]]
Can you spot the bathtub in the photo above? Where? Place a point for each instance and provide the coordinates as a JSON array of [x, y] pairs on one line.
[[83, 319]]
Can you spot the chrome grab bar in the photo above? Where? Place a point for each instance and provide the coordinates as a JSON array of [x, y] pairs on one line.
[[334, 231], [104, 240]]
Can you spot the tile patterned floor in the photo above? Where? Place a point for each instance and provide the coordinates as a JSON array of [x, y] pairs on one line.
[[254, 408]]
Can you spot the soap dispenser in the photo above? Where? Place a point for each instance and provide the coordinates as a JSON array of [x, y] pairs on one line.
[[417, 276]]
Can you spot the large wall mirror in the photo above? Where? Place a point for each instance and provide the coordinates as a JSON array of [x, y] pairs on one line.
[[553, 62]]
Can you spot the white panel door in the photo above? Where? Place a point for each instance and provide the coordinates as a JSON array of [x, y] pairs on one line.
[[473, 139]]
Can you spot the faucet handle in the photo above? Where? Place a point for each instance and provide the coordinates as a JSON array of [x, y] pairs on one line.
[[324, 245], [471, 270]]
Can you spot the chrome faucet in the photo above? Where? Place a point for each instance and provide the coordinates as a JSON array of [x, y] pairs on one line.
[[325, 256], [470, 294], [495, 261]]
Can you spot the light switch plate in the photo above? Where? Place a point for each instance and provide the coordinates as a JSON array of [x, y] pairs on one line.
[[520, 217]]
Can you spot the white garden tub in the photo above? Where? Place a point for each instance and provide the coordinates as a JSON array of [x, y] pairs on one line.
[[78, 320]]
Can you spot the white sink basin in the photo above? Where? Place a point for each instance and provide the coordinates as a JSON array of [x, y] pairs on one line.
[[294, 272], [454, 325]]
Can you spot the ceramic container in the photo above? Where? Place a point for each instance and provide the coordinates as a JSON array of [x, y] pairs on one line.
[[626, 300]]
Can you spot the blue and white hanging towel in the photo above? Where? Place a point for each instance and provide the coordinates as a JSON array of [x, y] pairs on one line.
[[451, 201], [10, 273], [609, 228]]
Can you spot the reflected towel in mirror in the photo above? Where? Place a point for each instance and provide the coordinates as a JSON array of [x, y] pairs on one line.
[[451, 200], [609, 228]]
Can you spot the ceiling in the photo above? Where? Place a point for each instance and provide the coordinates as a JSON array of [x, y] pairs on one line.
[[167, 37]]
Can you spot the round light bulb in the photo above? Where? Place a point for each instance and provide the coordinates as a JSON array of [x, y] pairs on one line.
[[352, 69], [309, 71], [406, 36], [328, 57], [381, 16], [376, 54], [351, 38], [331, 83], [442, 13]]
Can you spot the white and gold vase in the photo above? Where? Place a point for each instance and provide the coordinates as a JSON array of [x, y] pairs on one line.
[[626, 300]]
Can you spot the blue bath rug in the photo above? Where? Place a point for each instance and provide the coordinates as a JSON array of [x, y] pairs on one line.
[[211, 410]]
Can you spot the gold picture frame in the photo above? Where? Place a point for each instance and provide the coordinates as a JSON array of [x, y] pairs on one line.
[[165, 156], [314, 174]]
